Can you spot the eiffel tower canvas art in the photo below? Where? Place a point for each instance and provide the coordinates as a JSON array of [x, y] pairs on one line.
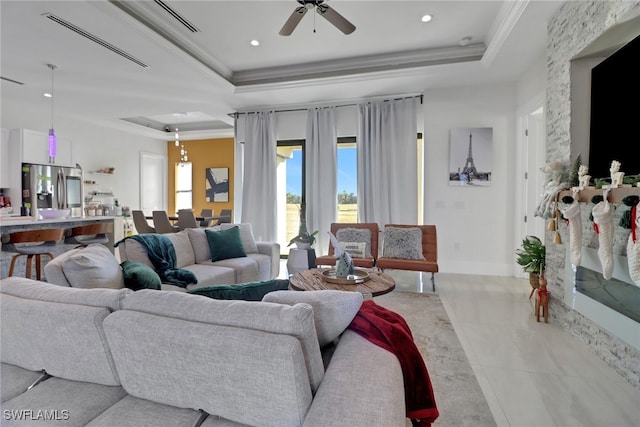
[[470, 160]]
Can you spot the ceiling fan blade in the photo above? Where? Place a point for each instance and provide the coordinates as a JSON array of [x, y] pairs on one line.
[[293, 21], [340, 22]]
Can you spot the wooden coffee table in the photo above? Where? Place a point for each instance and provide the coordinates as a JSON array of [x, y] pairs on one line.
[[311, 280]]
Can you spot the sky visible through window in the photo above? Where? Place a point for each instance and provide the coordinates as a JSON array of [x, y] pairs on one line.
[[347, 171]]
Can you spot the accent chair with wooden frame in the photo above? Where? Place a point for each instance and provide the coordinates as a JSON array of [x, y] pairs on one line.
[[330, 258], [429, 252]]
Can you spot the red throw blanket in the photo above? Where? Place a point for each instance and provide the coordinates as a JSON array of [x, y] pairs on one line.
[[390, 331]]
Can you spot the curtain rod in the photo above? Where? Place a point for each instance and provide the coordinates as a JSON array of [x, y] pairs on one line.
[[237, 113]]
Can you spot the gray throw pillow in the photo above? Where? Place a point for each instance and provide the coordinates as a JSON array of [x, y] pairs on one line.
[[350, 234], [405, 243], [333, 310]]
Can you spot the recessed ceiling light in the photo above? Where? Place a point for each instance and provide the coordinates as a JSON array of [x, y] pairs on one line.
[[426, 18], [47, 95], [255, 43]]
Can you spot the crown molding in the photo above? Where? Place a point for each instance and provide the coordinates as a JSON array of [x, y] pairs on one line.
[[335, 69], [510, 13]]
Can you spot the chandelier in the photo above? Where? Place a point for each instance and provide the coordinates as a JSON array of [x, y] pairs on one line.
[[183, 155]]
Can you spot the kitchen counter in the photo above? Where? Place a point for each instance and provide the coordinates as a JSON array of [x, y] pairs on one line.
[[9, 225], [14, 221]]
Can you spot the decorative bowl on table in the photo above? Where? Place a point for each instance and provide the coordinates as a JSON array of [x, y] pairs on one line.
[[358, 276], [51, 213]]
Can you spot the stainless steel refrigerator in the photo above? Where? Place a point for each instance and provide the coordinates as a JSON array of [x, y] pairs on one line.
[[50, 186]]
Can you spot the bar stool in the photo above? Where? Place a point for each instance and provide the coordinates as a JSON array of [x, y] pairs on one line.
[[84, 235], [36, 243]]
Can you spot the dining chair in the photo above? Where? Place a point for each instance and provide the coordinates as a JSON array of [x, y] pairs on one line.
[[162, 224], [206, 213], [225, 216], [187, 219], [141, 224]]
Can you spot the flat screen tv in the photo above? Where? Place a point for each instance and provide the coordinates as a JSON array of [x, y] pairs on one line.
[[615, 112]]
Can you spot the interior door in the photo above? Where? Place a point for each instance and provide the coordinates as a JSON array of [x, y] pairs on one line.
[[153, 182]]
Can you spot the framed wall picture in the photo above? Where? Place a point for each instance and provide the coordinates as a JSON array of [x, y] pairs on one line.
[[217, 185], [470, 159]]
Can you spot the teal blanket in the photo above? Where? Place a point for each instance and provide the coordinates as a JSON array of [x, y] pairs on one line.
[[163, 257]]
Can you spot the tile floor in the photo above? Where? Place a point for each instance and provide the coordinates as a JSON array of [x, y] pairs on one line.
[[532, 374]]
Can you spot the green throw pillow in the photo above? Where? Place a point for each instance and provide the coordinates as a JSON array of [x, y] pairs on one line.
[[225, 244], [252, 291], [139, 276]]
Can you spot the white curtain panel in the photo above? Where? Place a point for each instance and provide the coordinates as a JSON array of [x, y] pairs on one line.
[[321, 164], [387, 162], [259, 191]]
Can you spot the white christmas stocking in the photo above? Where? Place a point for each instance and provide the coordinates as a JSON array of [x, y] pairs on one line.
[[572, 214], [633, 247], [603, 224]]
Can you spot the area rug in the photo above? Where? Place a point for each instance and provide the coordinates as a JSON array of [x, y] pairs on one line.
[[457, 392]]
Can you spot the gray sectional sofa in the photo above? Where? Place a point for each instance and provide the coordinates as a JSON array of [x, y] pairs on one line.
[[157, 358], [262, 261]]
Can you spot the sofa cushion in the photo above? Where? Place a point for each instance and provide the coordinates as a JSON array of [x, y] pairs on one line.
[[93, 267], [332, 310], [139, 276], [252, 291], [209, 274], [184, 250], [246, 268], [404, 243], [296, 320], [76, 403], [134, 250], [41, 291], [242, 374], [200, 244], [350, 234], [265, 264], [133, 412], [15, 380], [53, 269], [246, 236], [66, 340], [225, 244]]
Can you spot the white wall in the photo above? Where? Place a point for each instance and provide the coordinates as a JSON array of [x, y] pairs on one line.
[[475, 224], [96, 147]]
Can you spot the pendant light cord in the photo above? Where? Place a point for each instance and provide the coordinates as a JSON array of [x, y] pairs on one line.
[[53, 67]]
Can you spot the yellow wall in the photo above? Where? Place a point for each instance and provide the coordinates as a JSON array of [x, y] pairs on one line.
[[203, 154]]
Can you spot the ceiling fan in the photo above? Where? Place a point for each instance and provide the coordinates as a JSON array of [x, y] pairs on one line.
[[327, 12]]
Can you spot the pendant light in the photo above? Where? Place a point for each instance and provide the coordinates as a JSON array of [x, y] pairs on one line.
[[177, 136], [52, 132], [183, 155]]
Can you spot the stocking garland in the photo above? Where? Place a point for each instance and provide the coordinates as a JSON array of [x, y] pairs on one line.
[[572, 214], [603, 225], [633, 245]]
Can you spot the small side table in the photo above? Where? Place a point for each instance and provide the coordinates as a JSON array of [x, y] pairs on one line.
[[300, 260]]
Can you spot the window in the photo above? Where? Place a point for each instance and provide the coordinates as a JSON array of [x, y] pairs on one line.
[[290, 182], [184, 186], [347, 179]]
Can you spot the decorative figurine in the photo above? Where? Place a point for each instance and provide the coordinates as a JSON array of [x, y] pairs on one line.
[[542, 300], [344, 263], [583, 178], [616, 175]]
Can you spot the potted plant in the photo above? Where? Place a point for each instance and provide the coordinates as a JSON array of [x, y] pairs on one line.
[[531, 257], [304, 239]]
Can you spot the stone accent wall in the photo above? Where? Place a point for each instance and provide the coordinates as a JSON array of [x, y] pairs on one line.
[[576, 25]]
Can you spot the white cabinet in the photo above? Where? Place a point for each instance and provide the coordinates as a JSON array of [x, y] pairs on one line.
[[33, 147]]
